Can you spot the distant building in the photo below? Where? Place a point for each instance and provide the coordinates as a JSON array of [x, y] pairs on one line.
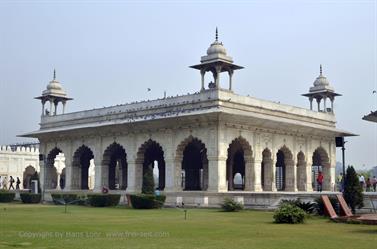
[[18, 161], [22, 160]]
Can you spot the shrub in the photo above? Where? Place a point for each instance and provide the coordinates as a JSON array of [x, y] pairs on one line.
[[320, 206], [148, 181], [353, 193], [308, 207], [30, 198], [147, 201], [65, 198], [6, 196], [160, 200], [288, 213], [230, 205], [103, 200]]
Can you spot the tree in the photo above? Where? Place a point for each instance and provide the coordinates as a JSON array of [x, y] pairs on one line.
[[148, 181], [353, 193]]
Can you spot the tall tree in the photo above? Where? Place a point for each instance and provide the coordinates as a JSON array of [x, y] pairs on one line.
[[148, 181], [353, 193]]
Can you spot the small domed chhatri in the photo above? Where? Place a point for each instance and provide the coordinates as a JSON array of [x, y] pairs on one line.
[[216, 61], [54, 94], [321, 82], [55, 88], [322, 90], [216, 47]]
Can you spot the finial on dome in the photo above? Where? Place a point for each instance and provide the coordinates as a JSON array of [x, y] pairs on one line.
[[217, 35], [320, 69], [54, 74]]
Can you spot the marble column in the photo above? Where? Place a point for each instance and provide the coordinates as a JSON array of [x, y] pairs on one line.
[[217, 174], [202, 73], [173, 174], [68, 175], [135, 176], [290, 175], [99, 169], [230, 72], [256, 167], [308, 175]]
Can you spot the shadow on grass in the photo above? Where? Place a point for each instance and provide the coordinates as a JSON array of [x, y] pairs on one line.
[[373, 231], [20, 244]]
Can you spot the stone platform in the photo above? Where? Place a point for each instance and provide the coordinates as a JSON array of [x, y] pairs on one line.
[[252, 200]]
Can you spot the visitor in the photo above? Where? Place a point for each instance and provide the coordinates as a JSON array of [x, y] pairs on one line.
[[374, 183], [362, 181], [18, 183], [339, 181], [319, 181], [5, 183], [11, 181]]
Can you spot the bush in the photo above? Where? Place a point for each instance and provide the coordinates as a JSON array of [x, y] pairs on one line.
[[103, 200], [147, 201], [230, 205], [30, 198], [61, 199], [320, 206], [6, 196], [308, 207], [353, 192], [288, 213]]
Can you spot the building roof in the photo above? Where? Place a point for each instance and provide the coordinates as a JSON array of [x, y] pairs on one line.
[[372, 117]]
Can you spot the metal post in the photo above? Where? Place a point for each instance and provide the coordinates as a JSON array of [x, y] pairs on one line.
[[344, 164]]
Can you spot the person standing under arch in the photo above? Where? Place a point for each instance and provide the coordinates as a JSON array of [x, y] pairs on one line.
[[319, 181]]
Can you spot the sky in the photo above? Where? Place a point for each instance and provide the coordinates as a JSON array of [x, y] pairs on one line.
[[109, 52]]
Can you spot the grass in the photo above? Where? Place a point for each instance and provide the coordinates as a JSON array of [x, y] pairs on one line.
[[47, 226]]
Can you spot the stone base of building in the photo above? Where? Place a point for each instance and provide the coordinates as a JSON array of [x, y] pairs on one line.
[[251, 200]]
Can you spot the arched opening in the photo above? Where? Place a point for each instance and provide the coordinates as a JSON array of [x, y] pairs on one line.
[[27, 175], [239, 153], [266, 170], [115, 158], [51, 175], [280, 171], [283, 161], [152, 155], [320, 164], [194, 165], [80, 167], [301, 171]]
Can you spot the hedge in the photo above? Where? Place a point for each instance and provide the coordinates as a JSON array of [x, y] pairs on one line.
[[147, 201], [103, 200], [30, 198], [6, 196]]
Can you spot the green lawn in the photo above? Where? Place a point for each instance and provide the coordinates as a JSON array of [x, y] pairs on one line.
[[47, 226]]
